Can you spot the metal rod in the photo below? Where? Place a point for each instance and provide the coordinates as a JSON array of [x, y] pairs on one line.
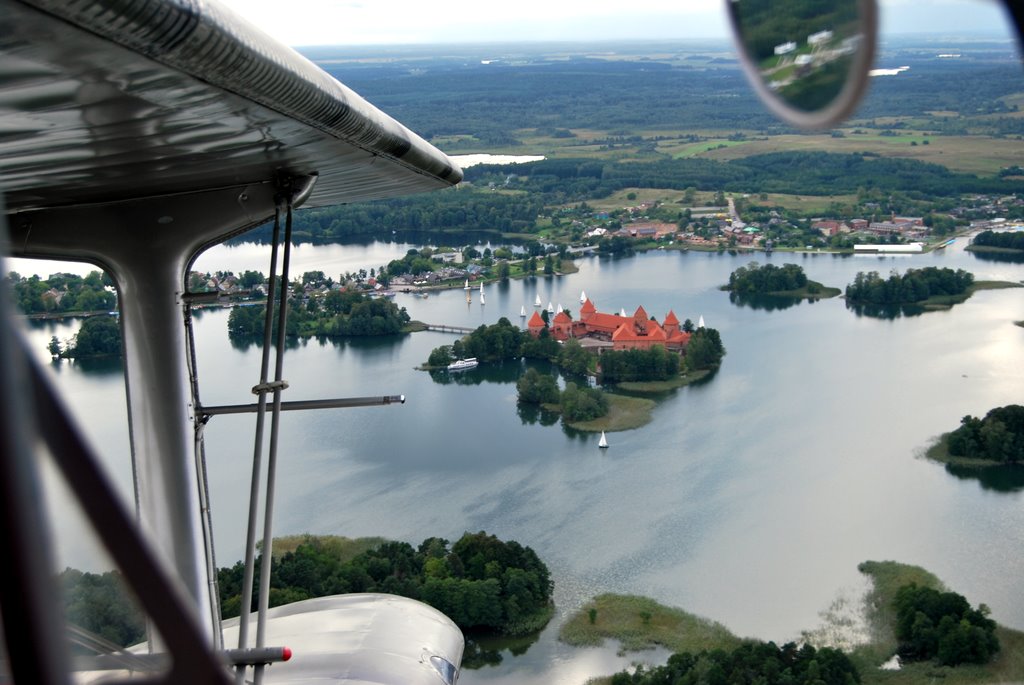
[[275, 424], [341, 403], [257, 454], [199, 452]]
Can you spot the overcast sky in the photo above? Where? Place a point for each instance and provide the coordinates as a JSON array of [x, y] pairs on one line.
[[362, 22]]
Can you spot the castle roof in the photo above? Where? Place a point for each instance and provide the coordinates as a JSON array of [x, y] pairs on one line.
[[670, 319], [561, 317], [640, 314], [535, 321], [588, 307]]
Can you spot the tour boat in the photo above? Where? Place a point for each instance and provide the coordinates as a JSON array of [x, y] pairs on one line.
[[463, 364], [603, 442], [583, 296], [522, 311], [536, 302]]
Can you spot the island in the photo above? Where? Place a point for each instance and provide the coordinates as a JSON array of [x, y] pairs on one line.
[[929, 287], [99, 336], [787, 281], [996, 439], [634, 352]]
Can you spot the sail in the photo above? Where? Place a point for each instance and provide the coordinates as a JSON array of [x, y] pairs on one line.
[[700, 321], [583, 296], [603, 442], [536, 302], [482, 298], [467, 284], [551, 308], [481, 287], [522, 311]]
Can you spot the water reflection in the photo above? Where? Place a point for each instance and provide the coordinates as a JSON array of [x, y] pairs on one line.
[[768, 303], [488, 372], [1001, 478], [1005, 257], [99, 366], [532, 414], [885, 311], [486, 650]]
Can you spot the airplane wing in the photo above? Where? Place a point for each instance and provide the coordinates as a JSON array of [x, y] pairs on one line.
[[105, 100]]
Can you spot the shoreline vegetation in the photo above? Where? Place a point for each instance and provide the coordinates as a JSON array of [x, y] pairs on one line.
[[640, 623]]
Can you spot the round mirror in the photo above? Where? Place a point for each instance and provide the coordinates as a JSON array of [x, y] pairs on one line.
[[807, 59]]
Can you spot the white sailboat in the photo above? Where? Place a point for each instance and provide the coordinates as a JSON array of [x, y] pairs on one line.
[[583, 296], [467, 285], [482, 298], [559, 308], [522, 311], [700, 321], [536, 302], [622, 312], [603, 442], [551, 308], [481, 287]]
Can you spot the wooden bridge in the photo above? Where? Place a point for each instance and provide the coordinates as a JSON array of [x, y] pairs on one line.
[[441, 328]]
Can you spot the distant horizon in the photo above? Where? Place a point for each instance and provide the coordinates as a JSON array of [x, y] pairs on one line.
[[319, 23]]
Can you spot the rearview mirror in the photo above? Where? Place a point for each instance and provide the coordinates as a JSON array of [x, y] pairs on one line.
[[807, 59]]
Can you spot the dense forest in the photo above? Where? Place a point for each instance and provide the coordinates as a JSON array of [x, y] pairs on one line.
[[916, 285], [480, 582], [457, 209], [760, 663], [688, 85], [655, 364], [1009, 240], [769, 278], [99, 603], [943, 626], [63, 292], [793, 172], [998, 437]]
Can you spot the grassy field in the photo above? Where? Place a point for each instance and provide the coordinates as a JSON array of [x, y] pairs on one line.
[[947, 301], [982, 155], [342, 547], [641, 623], [623, 413]]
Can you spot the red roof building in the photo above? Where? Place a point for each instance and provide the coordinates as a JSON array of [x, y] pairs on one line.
[[637, 332]]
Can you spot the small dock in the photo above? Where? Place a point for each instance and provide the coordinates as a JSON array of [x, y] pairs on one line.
[[441, 328]]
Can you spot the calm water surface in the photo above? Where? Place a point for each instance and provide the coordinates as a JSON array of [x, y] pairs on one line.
[[749, 499]]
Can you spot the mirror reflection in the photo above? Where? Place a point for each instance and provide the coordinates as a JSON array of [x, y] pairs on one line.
[[803, 50]]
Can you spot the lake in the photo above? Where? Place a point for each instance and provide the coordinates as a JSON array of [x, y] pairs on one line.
[[749, 499]]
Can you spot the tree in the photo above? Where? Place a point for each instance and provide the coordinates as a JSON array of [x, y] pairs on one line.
[[573, 358], [537, 388], [440, 356], [99, 336], [54, 347]]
